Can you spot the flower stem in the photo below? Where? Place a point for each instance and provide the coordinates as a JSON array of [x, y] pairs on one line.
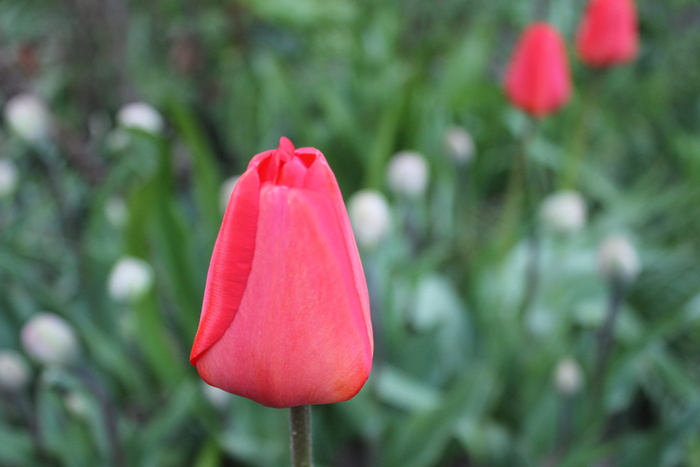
[[570, 175], [300, 427], [605, 340], [517, 196]]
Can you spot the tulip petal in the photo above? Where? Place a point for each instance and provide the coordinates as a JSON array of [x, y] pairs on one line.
[[320, 177], [230, 264], [287, 346]]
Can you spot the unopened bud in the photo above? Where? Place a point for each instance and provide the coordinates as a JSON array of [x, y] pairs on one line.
[[131, 278], [28, 117], [49, 339], [226, 190], [568, 377], [459, 145], [563, 212], [140, 116], [408, 174], [116, 212], [8, 177], [617, 259], [370, 218], [14, 371], [78, 405]]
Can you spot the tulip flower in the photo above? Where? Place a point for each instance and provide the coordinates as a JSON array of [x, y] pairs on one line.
[[608, 34], [537, 79], [285, 319]]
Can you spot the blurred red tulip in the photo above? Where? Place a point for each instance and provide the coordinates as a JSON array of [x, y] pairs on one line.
[[285, 319], [537, 78], [608, 34]]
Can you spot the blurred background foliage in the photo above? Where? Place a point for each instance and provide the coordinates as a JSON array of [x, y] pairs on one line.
[[462, 376]]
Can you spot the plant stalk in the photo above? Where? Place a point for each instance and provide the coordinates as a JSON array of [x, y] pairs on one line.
[[605, 339], [300, 434]]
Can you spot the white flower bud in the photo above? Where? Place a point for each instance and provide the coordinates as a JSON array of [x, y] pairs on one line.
[[459, 145], [78, 405], [27, 115], [49, 339], [226, 190], [568, 377], [8, 177], [563, 212], [131, 278], [116, 212], [117, 140], [408, 174], [140, 116], [215, 396], [14, 371], [370, 218], [617, 259]]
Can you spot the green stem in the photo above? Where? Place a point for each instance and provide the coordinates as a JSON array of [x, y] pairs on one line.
[[565, 424], [300, 427], [577, 150], [516, 195], [605, 341]]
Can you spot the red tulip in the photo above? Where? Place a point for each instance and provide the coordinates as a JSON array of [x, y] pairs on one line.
[[607, 34], [285, 319], [537, 78]]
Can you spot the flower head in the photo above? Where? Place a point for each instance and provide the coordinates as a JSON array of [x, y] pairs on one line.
[[28, 117], [14, 371], [608, 33], [459, 144], [285, 319], [537, 79], [568, 376], [407, 174], [140, 116], [49, 339], [130, 279], [370, 217], [8, 177], [617, 259], [563, 212]]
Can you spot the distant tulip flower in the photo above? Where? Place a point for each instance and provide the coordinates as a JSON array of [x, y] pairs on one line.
[[537, 79], [285, 320], [608, 34]]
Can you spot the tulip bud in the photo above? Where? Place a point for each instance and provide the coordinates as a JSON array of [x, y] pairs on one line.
[[370, 217], [608, 34], [537, 79], [8, 177], [28, 117], [563, 212], [140, 116], [286, 267], [216, 397], [617, 259], [49, 339], [459, 145], [226, 190], [14, 371], [131, 278], [568, 377], [408, 174], [116, 212]]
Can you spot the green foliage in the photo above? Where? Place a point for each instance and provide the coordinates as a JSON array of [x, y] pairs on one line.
[[463, 371]]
